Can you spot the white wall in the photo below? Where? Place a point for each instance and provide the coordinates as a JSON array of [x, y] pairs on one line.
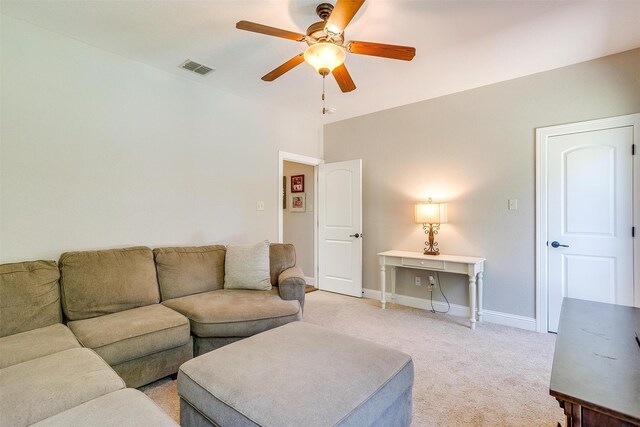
[[98, 151], [474, 150], [298, 226]]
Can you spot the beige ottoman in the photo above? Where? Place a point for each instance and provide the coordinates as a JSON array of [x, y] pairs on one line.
[[297, 375]]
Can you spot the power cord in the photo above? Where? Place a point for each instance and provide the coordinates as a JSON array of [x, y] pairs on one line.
[[433, 310]]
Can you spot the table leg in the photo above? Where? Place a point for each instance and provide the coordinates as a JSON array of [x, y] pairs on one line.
[[383, 291], [472, 301], [480, 297], [393, 285]]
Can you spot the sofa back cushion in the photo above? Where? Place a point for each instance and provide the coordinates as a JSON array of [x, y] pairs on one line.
[[281, 257], [95, 283], [29, 296], [189, 270]]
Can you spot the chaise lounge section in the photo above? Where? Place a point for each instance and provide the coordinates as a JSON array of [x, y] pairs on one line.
[[192, 282]]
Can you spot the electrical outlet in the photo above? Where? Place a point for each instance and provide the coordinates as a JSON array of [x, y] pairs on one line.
[[431, 283], [418, 281], [259, 205]]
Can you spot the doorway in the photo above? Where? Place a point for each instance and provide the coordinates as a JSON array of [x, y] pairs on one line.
[[298, 213], [587, 207], [298, 224], [339, 196]]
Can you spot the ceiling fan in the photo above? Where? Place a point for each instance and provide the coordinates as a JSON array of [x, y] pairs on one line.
[[327, 48]]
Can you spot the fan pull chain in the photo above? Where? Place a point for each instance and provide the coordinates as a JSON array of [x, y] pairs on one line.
[[324, 110]]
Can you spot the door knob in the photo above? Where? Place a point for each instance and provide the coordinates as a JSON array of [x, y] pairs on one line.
[[556, 244], [355, 235]]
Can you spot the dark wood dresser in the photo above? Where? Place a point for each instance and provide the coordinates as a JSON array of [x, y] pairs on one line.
[[596, 364]]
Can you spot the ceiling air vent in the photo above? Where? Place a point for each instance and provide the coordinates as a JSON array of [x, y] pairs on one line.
[[196, 67]]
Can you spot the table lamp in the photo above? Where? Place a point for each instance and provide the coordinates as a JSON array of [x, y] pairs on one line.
[[431, 215]]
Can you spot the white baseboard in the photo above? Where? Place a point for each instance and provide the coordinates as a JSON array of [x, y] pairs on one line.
[[311, 281], [528, 323], [522, 322]]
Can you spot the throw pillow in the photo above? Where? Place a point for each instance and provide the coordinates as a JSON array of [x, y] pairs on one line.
[[247, 267]]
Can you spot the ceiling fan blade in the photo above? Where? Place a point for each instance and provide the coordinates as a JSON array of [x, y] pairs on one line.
[[405, 53], [342, 14], [293, 62], [270, 31], [343, 78]]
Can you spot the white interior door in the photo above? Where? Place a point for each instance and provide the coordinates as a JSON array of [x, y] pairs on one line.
[[589, 217], [340, 227]]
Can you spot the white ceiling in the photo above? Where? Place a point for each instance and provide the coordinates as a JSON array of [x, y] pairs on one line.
[[460, 44]]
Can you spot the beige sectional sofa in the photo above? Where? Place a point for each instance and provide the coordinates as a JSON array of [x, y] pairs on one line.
[[132, 316]]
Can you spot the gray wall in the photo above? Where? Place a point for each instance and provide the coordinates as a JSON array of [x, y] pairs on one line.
[[474, 150], [298, 226]]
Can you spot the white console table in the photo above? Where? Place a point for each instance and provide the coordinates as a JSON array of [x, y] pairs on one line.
[[470, 266]]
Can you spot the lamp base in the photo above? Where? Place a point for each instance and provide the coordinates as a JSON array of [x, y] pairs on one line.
[[431, 230]]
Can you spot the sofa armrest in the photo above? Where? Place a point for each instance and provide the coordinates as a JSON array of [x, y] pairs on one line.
[[291, 285]]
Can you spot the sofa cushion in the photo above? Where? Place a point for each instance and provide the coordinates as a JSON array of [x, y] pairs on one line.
[[95, 283], [235, 312], [29, 296], [130, 334], [123, 408], [37, 389], [39, 342], [247, 267], [189, 270], [281, 257]]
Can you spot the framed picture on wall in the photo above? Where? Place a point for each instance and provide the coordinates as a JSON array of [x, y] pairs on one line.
[[297, 203], [297, 183]]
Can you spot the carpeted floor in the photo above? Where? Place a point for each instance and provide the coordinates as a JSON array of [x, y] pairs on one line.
[[495, 376]]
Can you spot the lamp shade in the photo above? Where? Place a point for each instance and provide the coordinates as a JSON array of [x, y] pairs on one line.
[[431, 213], [325, 56]]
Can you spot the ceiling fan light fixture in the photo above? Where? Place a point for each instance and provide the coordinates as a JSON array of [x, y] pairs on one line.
[[324, 56]]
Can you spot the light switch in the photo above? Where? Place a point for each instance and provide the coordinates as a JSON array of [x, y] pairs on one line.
[[259, 205], [513, 204]]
